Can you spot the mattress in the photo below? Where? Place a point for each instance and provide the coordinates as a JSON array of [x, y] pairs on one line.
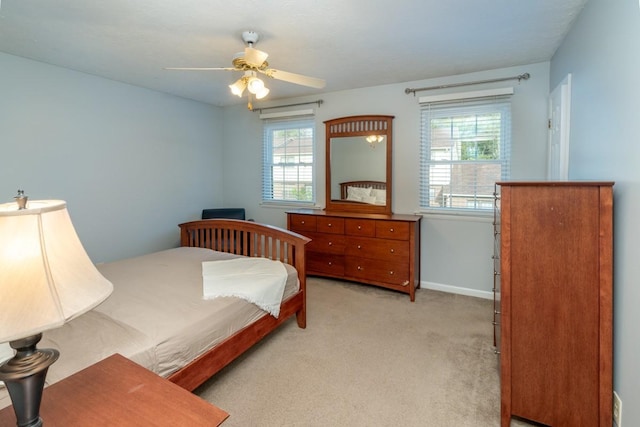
[[156, 316]]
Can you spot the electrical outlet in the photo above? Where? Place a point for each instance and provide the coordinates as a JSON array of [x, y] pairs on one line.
[[617, 409]]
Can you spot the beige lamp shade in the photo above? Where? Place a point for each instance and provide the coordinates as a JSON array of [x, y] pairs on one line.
[[46, 277]]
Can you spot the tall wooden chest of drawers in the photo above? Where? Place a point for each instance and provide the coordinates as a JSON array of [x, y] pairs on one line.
[[381, 250], [555, 305]]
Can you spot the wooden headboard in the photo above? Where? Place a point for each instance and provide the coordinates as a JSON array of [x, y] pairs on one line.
[[378, 185], [247, 238]]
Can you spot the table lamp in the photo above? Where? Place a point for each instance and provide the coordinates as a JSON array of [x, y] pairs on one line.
[[46, 279]]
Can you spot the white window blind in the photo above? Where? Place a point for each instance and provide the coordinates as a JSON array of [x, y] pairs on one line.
[[288, 160], [465, 149]]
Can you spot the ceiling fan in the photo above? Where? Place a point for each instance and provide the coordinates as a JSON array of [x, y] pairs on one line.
[[253, 62]]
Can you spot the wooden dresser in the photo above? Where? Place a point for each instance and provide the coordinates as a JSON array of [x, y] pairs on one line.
[[377, 249], [554, 303]]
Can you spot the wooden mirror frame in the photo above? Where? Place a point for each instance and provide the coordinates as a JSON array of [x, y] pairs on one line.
[[359, 126]]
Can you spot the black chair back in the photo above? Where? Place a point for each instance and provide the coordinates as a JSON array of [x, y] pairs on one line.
[[226, 213]]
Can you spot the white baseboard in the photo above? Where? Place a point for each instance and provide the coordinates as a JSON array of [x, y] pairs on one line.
[[456, 290]]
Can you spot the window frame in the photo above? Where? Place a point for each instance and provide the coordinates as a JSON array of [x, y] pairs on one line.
[[268, 164], [466, 107]]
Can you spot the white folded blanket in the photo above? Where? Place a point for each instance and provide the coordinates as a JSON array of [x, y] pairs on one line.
[[260, 281]]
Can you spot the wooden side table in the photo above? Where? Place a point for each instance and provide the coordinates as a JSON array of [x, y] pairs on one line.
[[119, 392]]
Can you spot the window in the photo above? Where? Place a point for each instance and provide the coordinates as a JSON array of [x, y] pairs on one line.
[[465, 149], [289, 146]]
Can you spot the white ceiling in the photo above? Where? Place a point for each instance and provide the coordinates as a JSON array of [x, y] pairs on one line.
[[349, 43]]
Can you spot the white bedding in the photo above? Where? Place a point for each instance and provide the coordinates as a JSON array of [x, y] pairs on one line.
[[260, 281], [156, 315]]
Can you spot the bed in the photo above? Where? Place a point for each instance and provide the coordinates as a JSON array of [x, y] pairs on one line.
[[372, 192], [157, 315]]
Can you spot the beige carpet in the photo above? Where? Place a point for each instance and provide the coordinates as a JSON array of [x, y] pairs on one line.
[[368, 357]]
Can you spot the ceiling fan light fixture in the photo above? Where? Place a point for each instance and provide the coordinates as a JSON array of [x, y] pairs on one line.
[[238, 87], [255, 85], [262, 93], [251, 62]]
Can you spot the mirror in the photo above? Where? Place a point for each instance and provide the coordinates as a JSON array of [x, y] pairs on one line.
[[358, 175]]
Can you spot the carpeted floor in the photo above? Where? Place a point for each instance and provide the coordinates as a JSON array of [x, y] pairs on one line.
[[368, 357]]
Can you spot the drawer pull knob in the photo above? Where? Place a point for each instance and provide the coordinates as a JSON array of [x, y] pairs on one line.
[[329, 225], [393, 251], [359, 268], [359, 227], [359, 247], [391, 230], [391, 273], [302, 222], [330, 243], [330, 263]]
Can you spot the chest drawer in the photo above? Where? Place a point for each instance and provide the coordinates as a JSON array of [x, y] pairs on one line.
[[331, 225], [299, 223], [326, 243], [324, 263], [381, 271], [383, 249], [392, 230], [360, 227]]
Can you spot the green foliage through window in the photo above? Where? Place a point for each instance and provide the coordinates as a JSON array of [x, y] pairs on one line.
[[480, 150]]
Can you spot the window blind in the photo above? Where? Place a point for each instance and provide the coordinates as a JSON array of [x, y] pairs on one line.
[[465, 149], [288, 160]]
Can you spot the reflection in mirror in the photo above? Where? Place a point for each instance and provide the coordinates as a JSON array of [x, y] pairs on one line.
[[358, 158]]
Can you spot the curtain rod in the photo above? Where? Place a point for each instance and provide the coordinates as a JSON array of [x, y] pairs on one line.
[[319, 102], [520, 77]]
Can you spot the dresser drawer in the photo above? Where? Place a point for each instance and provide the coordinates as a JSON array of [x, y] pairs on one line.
[[360, 227], [392, 230], [330, 224], [326, 243], [395, 273], [303, 223], [330, 264], [382, 249]]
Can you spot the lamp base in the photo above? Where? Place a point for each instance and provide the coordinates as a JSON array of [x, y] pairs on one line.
[[24, 377]]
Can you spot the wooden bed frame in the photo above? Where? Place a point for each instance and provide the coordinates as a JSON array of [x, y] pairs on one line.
[[249, 239], [378, 185]]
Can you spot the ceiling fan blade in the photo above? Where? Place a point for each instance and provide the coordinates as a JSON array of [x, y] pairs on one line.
[[255, 57], [298, 79], [200, 69]]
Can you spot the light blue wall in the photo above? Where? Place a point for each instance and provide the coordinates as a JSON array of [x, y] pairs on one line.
[[602, 52], [131, 163], [456, 251]]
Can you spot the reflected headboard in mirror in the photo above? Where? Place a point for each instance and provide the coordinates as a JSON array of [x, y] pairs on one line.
[[359, 158]]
